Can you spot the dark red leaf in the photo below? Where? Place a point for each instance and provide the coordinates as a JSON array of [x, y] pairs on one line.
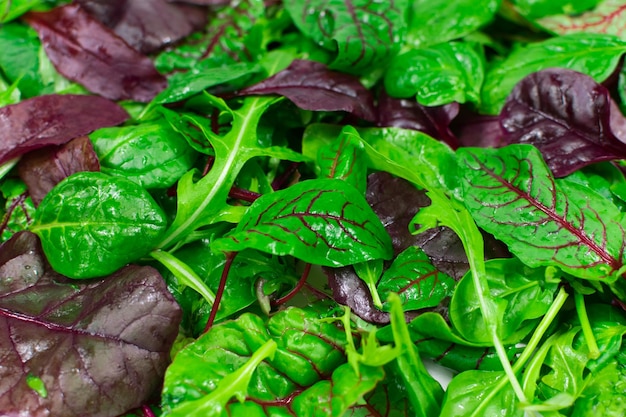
[[86, 51], [312, 86], [100, 347], [409, 114], [478, 130], [147, 25], [567, 115], [53, 120], [43, 169]]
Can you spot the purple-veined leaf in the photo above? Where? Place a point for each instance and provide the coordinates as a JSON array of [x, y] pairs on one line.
[[312, 86], [324, 222], [567, 115], [416, 280], [609, 16], [147, 25], [86, 51], [511, 193], [53, 120], [409, 114], [364, 34], [43, 169], [98, 348], [344, 159]]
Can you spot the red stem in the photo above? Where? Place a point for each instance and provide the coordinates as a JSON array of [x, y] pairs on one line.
[[297, 288], [243, 194], [147, 411], [230, 257], [280, 181]]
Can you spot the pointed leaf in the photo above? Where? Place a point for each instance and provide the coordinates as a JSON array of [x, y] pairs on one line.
[[325, 222], [311, 86], [511, 194], [344, 159], [85, 51], [364, 34], [97, 348], [557, 109], [53, 120]]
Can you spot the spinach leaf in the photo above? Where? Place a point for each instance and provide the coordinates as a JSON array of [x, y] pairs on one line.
[[92, 224]]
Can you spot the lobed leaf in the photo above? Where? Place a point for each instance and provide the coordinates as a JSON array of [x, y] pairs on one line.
[[91, 224], [99, 348], [85, 51], [557, 109], [324, 221], [511, 194], [53, 120], [311, 86]]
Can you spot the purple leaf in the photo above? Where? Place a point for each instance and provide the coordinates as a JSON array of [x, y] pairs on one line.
[[86, 51], [53, 120], [479, 131], [99, 348], [567, 115], [43, 169], [203, 2], [109, 12], [312, 86], [409, 114]]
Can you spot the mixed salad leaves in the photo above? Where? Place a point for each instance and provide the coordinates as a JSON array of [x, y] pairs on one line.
[[255, 208]]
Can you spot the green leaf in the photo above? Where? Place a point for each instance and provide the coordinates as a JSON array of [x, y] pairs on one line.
[[523, 294], [604, 395], [324, 221], [437, 75], [18, 208], [343, 159], [416, 280], [512, 194], [480, 394], [534, 9], [596, 55], [92, 224], [19, 60], [447, 20], [152, 154], [12, 9], [607, 17], [364, 34]]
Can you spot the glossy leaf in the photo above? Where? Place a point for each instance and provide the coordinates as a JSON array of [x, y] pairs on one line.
[[152, 154], [607, 17], [534, 9], [558, 109], [91, 224], [447, 20], [437, 75], [43, 169], [511, 194], [13, 9], [19, 208], [85, 51], [603, 395], [83, 345], [20, 58], [596, 55], [416, 280], [324, 221], [53, 120], [343, 159], [363, 34], [311, 86]]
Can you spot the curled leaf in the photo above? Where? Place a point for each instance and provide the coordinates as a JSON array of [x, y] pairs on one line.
[[97, 349]]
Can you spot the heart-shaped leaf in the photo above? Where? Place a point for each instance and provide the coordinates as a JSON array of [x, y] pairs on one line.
[[557, 110], [512, 195], [96, 348], [324, 221], [91, 224]]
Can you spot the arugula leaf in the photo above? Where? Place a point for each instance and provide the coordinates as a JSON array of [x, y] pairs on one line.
[[92, 224]]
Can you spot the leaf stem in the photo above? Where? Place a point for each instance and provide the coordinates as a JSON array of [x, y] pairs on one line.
[[230, 257], [581, 310], [297, 288], [147, 411]]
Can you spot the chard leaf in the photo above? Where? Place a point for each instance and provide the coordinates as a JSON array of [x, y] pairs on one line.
[[343, 159], [511, 194], [53, 120], [152, 154], [447, 20], [364, 34], [418, 283], [43, 169], [324, 221], [596, 55], [97, 348], [311, 86], [91, 224], [606, 17], [557, 109], [437, 75], [108, 67]]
